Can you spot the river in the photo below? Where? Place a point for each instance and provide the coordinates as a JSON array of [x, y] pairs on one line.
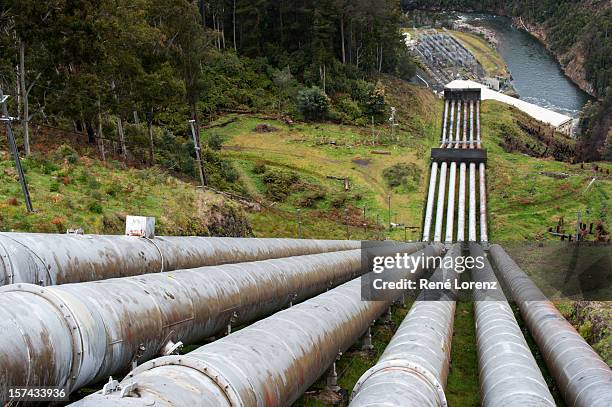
[[537, 77]]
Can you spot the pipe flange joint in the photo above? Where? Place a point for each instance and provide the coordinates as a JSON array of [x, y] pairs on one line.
[[184, 360], [410, 367], [69, 317]]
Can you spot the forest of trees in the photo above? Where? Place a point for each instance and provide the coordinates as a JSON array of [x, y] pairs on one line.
[[586, 25], [115, 67]]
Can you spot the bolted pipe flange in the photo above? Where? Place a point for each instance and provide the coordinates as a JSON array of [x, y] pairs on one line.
[[72, 325], [410, 368], [205, 369]]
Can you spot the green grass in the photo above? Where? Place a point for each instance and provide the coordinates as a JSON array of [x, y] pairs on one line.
[[319, 151], [522, 201], [462, 388], [72, 192], [488, 57]]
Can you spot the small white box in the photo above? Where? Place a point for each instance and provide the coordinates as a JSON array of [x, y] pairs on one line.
[[143, 226]]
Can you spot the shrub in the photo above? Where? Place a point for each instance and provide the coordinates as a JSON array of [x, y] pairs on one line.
[[228, 171], [349, 107], [95, 207], [278, 184], [339, 201], [313, 194], [215, 142], [54, 187], [259, 167], [404, 175], [66, 152], [313, 104]]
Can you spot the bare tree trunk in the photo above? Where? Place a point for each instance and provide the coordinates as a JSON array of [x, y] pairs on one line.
[[151, 145], [136, 119], [342, 39], [100, 136], [24, 96], [17, 90], [202, 6], [234, 24], [121, 138]]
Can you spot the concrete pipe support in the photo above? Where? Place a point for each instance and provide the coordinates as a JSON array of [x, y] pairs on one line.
[[74, 334], [413, 369], [51, 259], [509, 375], [583, 378], [270, 363]]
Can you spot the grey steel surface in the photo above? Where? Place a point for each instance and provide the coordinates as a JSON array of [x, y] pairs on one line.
[[270, 363], [508, 373], [413, 369], [583, 378], [75, 334], [51, 259]]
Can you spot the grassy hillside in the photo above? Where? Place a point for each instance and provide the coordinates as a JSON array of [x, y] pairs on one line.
[[528, 195], [490, 59], [525, 195], [316, 157], [72, 191]]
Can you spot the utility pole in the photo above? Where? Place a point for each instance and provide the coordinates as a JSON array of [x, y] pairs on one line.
[[299, 224], [389, 206], [365, 225], [196, 146], [13, 147]]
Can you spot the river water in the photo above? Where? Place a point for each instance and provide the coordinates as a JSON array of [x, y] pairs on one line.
[[537, 77]]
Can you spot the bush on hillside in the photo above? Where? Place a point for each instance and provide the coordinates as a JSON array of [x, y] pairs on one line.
[[313, 104], [403, 175], [278, 184]]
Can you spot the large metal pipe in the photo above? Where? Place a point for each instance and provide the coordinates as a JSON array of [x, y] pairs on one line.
[[74, 334], [471, 124], [270, 363], [461, 204], [478, 123], [472, 211], [413, 369], [444, 123], [51, 259], [458, 134], [440, 207], [509, 375], [450, 208], [465, 122], [583, 378], [450, 132], [484, 236], [430, 201]]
